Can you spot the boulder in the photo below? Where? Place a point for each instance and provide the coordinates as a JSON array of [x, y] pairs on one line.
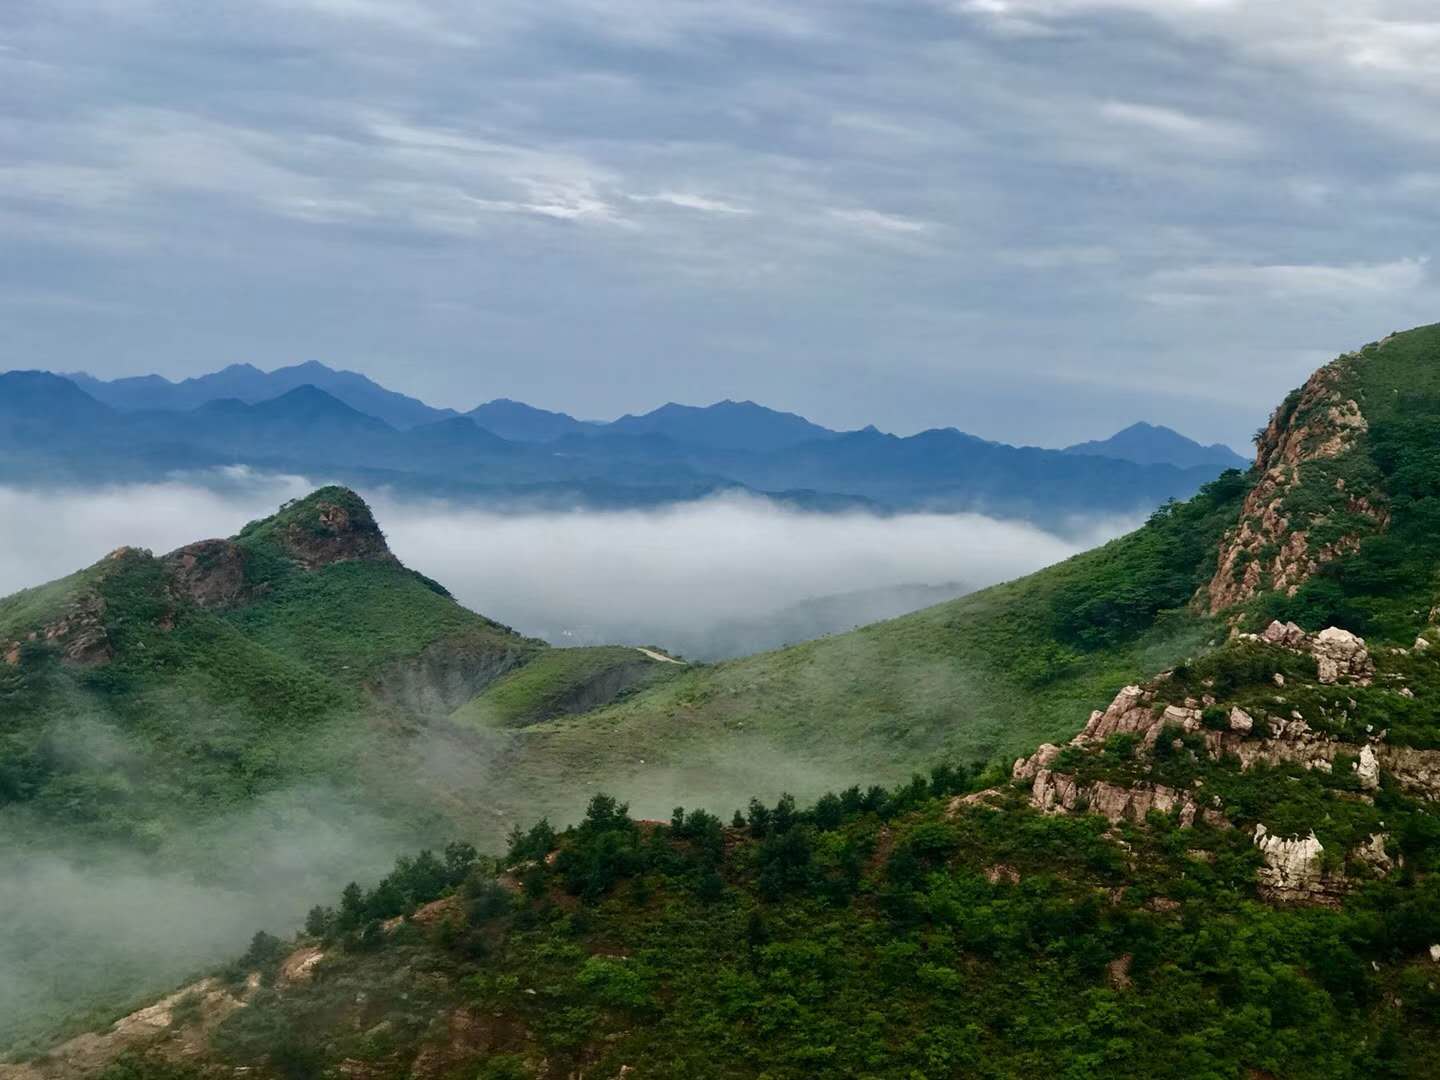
[[1285, 635], [1341, 654]]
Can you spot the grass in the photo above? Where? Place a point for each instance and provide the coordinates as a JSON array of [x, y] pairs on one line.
[[560, 682], [30, 609], [352, 619]]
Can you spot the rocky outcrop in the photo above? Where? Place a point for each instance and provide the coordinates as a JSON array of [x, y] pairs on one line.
[[1266, 549], [1293, 871], [1052, 791], [79, 634], [209, 574], [1248, 740], [208, 1002], [334, 529], [1340, 656], [1372, 854]]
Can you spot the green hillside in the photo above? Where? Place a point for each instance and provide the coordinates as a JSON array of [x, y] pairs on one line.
[[149, 703], [562, 682], [985, 676], [222, 669]]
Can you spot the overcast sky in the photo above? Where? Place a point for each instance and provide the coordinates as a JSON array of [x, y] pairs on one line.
[[1036, 220]]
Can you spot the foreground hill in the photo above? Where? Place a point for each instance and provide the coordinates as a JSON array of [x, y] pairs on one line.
[[1203, 882], [185, 717]]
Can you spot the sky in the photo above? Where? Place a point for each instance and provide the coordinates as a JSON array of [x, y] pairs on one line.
[[1035, 220]]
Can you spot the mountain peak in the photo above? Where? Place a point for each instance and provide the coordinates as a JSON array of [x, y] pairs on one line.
[[330, 525], [724, 425], [1145, 443]]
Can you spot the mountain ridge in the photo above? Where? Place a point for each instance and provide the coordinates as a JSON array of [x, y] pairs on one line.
[[307, 429]]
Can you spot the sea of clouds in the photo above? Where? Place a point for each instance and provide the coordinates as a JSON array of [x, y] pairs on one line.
[[667, 576]]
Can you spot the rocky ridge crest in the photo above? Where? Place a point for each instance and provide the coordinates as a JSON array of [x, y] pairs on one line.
[[1272, 547]]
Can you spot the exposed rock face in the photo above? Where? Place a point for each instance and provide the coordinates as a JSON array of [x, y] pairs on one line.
[[299, 966], [1292, 872], [1266, 550], [210, 573], [1054, 791], [1367, 769], [334, 532]]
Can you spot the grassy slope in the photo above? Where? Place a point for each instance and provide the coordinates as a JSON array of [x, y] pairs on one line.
[[560, 682], [987, 675], [996, 672], [30, 609]]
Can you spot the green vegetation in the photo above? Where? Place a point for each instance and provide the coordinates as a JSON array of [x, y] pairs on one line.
[[873, 934], [561, 682]]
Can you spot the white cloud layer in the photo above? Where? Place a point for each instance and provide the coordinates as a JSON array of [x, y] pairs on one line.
[[667, 576]]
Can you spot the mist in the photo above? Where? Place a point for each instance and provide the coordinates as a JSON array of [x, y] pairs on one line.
[[105, 922], [709, 579]]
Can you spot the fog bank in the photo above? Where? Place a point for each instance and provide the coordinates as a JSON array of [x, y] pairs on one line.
[[712, 578]]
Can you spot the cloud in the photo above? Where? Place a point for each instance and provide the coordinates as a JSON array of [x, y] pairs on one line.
[[691, 201], [1353, 283], [1181, 128], [576, 577], [876, 221], [588, 576]]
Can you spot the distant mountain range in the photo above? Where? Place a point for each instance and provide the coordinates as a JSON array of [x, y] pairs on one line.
[[313, 419]]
